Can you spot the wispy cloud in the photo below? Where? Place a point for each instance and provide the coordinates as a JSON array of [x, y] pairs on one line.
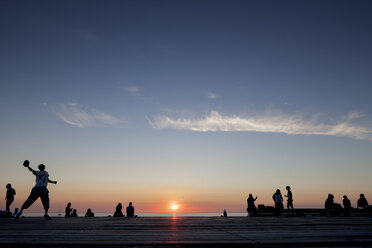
[[277, 123], [134, 90], [82, 116], [212, 95]]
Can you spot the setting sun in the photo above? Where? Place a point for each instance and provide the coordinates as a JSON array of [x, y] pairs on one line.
[[174, 206]]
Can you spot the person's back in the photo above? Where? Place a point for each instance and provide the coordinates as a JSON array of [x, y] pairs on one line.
[[118, 211], [362, 202], [130, 210]]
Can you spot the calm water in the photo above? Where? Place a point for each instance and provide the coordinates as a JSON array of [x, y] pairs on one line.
[[139, 214]]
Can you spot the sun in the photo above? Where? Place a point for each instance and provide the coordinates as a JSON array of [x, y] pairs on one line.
[[174, 206]]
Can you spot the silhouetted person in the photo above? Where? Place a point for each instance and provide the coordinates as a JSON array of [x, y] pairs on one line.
[[224, 213], [15, 212], [252, 210], [89, 213], [130, 210], [289, 200], [362, 201], [278, 200], [68, 210], [347, 205], [40, 189], [74, 213], [118, 211], [331, 207], [10, 193], [363, 204]]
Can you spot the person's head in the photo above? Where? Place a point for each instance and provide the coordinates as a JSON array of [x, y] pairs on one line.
[[250, 195], [41, 167], [8, 186], [345, 196], [16, 210], [74, 211], [277, 191], [119, 204], [89, 210], [361, 195], [330, 196], [287, 188], [69, 204], [130, 203]]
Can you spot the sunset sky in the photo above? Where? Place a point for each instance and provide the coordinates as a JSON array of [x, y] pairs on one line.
[[197, 103]]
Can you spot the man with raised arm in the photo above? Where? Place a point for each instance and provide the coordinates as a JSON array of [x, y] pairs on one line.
[[40, 189]]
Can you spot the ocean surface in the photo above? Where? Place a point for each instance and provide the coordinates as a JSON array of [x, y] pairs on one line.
[[25, 214]]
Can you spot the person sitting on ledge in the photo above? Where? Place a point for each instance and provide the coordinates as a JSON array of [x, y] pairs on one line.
[[74, 213], [89, 213], [252, 210], [347, 206], [363, 204], [331, 207], [118, 211], [130, 210]]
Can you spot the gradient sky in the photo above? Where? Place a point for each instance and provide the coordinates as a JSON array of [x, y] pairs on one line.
[[194, 102]]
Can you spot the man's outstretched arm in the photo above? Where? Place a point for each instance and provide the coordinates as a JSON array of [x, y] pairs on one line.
[[50, 181]]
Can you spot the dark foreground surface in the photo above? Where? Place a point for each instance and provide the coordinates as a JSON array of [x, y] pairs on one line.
[[188, 232]]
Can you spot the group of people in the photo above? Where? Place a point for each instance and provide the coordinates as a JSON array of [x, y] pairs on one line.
[[278, 203], [336, 209], [71, 212], [42, 179]]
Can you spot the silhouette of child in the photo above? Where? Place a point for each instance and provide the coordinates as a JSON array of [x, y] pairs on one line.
[[10, 193], [74, 213], [289, 200]]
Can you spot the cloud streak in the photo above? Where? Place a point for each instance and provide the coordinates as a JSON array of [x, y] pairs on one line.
[[82, 116], [212, 95], [278, 123], [134, 90]]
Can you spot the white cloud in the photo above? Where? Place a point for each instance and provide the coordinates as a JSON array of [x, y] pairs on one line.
[[278, 123], [134, 90], [81, 116], [212, 95]]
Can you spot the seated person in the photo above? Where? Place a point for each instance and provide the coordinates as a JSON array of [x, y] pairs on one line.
[[332, 207], [89, 213], [130, 210], [74, 213], [118, 211]]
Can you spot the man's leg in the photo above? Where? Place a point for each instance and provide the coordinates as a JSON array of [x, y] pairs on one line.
[[44, 196], [30, 200]]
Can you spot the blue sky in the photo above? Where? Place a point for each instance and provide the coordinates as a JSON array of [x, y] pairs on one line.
[[188, 97]]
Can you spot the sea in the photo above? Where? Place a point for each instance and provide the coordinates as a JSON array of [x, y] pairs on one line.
[[25, 214]]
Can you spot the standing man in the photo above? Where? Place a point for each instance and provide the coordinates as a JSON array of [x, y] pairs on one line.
[[289, 200], [10, 193], [40, 189]]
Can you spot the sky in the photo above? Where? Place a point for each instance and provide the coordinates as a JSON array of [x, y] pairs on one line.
[[196, 103]]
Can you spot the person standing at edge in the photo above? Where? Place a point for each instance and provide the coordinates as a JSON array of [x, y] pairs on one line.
[[40, 189]]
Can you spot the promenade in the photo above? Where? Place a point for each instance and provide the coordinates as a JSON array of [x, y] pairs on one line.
[[309, 231]]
